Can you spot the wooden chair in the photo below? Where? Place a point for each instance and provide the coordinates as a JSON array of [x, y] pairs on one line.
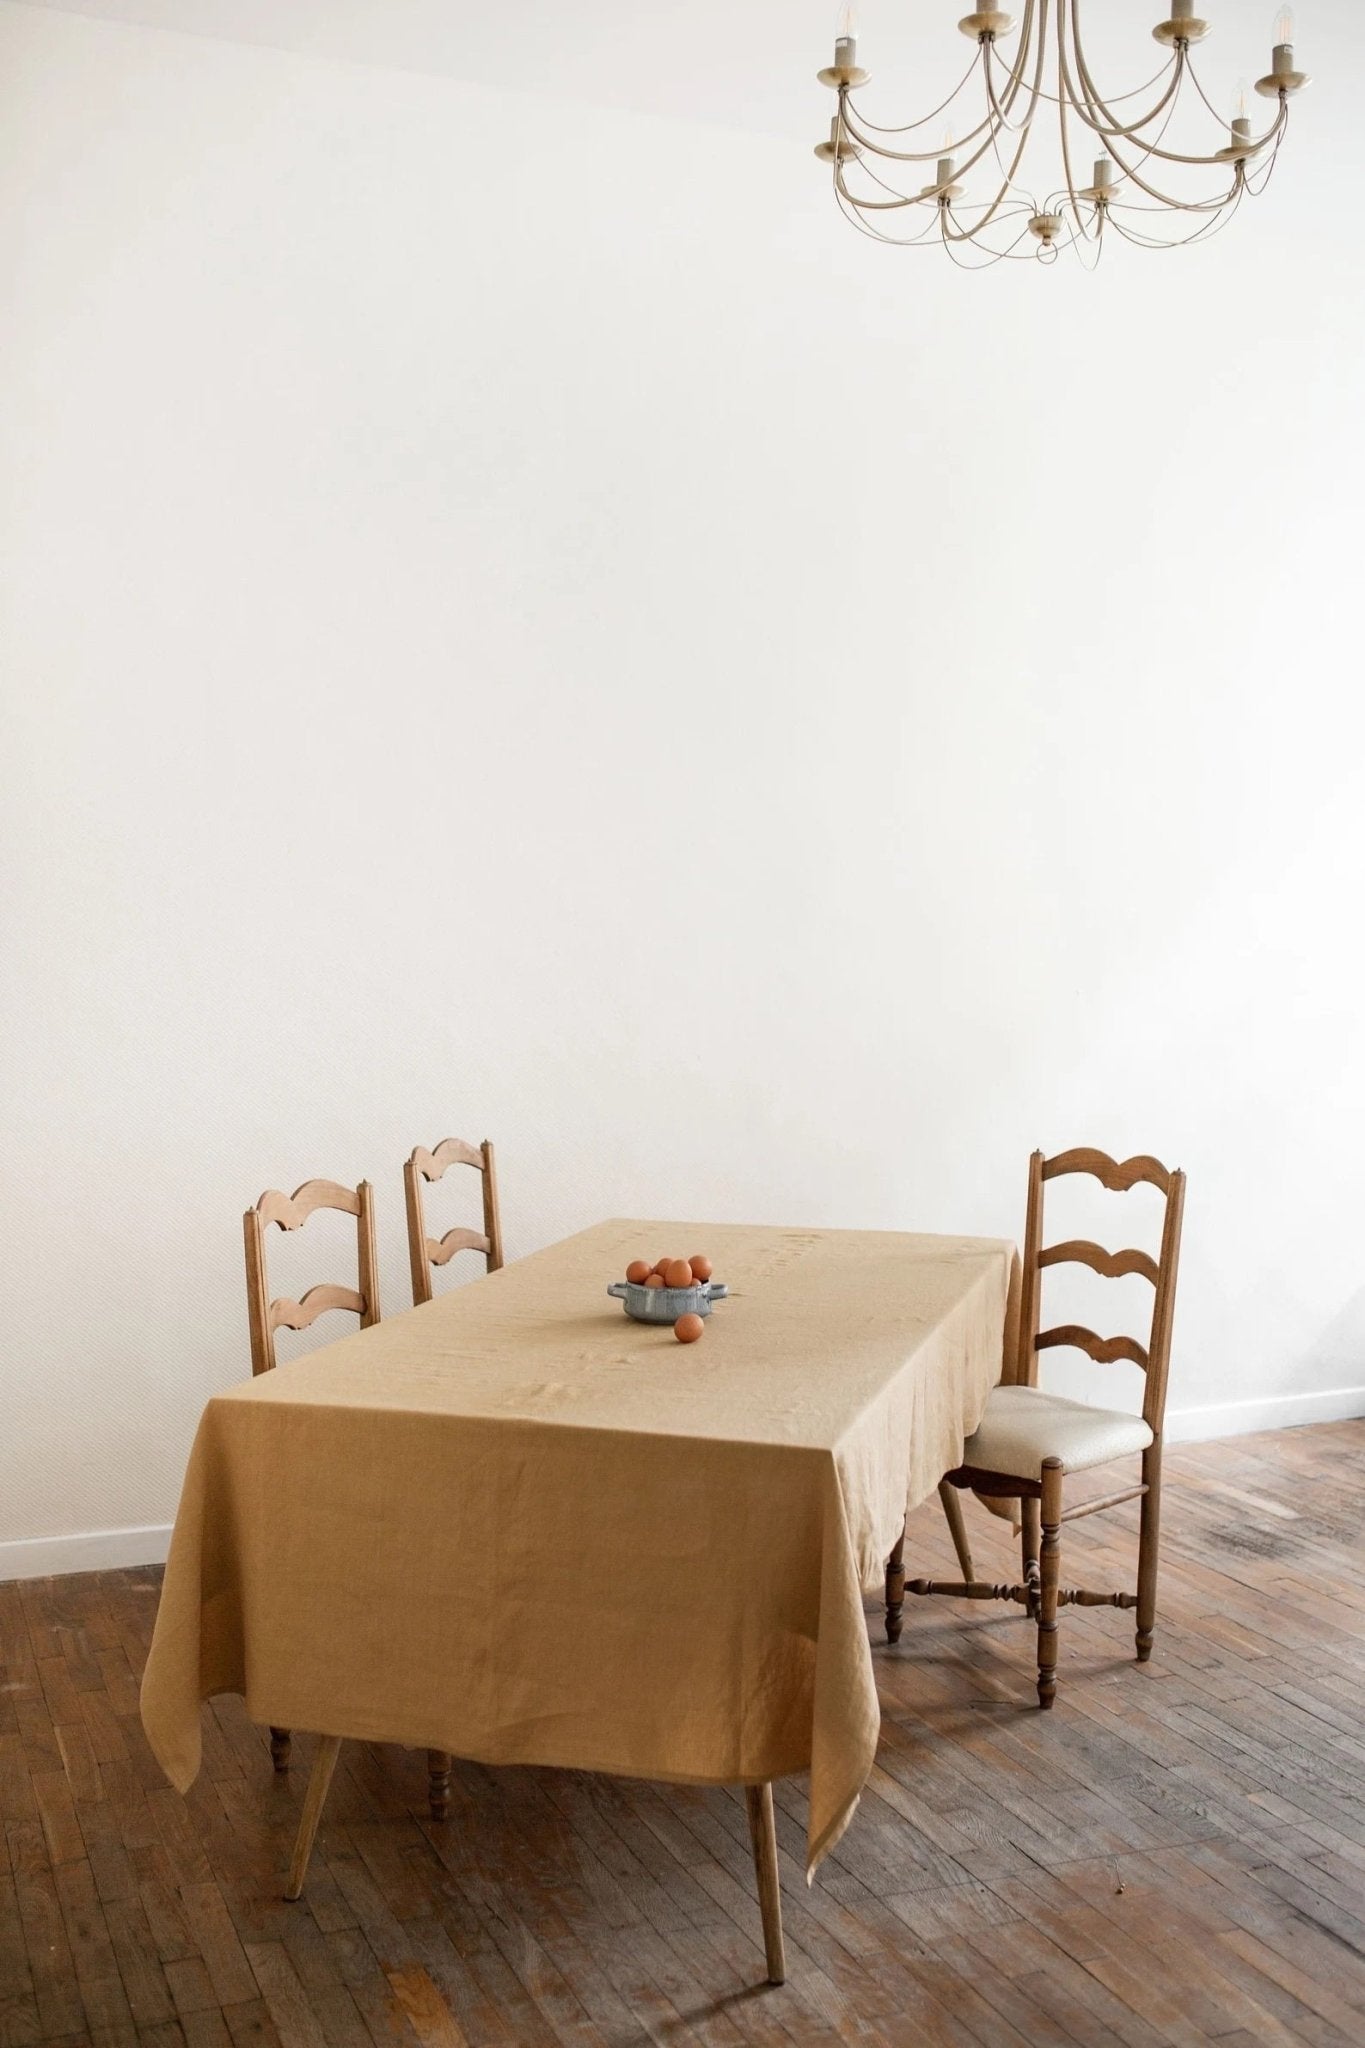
[[1029, 1439], [291, 1212], [425, 1252]]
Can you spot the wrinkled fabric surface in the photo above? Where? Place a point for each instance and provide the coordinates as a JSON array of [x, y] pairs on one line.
[[515, 1525]]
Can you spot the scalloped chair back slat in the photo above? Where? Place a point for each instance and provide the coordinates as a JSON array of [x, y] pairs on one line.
[[425, 1252], [1120, 1177], [291, 1212]]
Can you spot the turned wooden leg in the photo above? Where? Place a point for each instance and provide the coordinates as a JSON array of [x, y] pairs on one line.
[[895, 1590], [1149, 1542], [438, 1783], [957, 1528], [1031, 1538], [759, 1800], [279, 1748], [314, 1799], [1051, 1517]]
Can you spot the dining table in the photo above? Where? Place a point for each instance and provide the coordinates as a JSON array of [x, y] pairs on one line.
[[514, 1525]]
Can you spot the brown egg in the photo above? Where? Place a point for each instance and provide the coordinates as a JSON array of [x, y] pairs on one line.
[[661, 1266], [678, 1273], [687, 1329], [702, 1268], [654, 1280], [637, 1272]]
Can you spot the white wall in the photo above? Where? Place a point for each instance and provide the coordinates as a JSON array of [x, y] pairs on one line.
[[522, 624]]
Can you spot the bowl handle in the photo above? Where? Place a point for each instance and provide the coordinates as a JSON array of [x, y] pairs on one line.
[[618, 1289], [719, 1290]]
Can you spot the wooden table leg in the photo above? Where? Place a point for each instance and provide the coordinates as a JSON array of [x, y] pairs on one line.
[[314, 1799], [759, 1800], [438, 1783]]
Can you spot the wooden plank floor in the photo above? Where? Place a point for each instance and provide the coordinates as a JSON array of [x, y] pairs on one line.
[[1175, 1854]]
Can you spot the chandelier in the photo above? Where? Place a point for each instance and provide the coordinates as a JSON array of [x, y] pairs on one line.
[[1040, 80]]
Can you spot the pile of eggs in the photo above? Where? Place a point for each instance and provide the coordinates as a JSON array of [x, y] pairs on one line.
[[674, 1273]]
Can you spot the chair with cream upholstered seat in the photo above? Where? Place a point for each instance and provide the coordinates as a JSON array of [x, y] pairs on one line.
[[1029, 1439]]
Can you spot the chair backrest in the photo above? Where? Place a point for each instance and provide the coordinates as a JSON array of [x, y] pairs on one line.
[[1154, 1356], [425, 1252], [291, 1212]]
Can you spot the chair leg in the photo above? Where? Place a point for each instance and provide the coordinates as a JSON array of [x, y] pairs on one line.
[[1149, 1543], [279, 1748], [1051, 1517], [1031, 1538], [895, 1590], [314, 1799], [957, 1528], [438, 1783], [763, 1834]]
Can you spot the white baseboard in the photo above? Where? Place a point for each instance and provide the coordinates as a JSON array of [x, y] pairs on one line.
[[102, 1550], [1275, 1411], [90, 1550]]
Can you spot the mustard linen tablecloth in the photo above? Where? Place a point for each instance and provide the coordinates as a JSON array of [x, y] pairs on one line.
[[515, 1525]]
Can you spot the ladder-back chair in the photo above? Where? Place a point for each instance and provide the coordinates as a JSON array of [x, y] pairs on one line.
[[1029, 1439], [425, 1252], [291, 1212]]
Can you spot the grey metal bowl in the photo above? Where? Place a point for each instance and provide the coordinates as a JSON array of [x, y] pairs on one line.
[[666, 1304]]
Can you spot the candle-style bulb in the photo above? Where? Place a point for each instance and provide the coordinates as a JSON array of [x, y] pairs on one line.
[[947, 169], [846, 38], [1283, 31], [1239, 101]]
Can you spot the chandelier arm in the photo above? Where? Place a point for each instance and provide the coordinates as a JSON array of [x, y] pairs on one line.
[[873, 232], [1258, 143], [1209, 229], [899, 156], [1267, 170], [1062, 104], [896, 204], [1015, 70], [906, 198], [925, 119], [1166, 200], [999, 199], [1086, 103], [1130, 133], [1148, 150], [993, 256]]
